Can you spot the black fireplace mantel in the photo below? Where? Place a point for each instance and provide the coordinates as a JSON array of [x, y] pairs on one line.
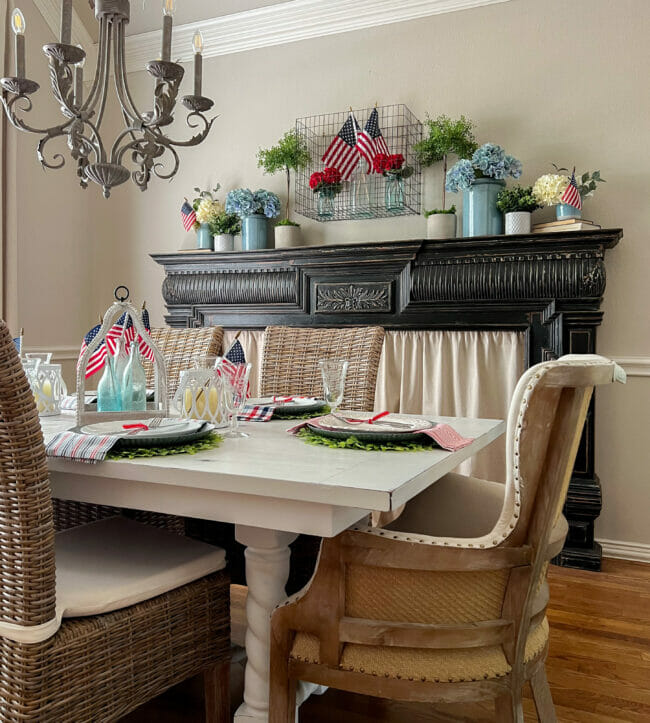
[[549, 286]]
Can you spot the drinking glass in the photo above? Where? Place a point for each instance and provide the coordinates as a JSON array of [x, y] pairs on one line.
[[235, 386], [333, 372]]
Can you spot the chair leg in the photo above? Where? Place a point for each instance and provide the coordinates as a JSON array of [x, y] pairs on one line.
[[509, 708], [282, 688], [216, 689], [542, 697]]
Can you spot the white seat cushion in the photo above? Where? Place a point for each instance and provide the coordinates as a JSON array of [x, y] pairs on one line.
[[114, 563], [454, 506]]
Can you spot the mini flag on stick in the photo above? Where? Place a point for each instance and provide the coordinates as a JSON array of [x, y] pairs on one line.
[[188, 216], [342, 152], [571, 195], [370, 141], [98, 357], [145, 351]]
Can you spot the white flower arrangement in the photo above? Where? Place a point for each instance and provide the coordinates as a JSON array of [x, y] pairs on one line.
[[208, 210], [548, 189]]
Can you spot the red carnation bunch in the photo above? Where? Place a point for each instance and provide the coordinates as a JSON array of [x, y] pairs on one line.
[[329, 179]]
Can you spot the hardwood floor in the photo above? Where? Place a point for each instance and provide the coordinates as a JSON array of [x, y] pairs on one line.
[[598, 666]]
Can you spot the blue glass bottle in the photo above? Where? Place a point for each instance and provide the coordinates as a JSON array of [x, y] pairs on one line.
[[134, 383], [108, 396]]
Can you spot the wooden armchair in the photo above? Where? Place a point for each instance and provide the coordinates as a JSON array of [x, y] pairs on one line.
[[179, 348], [100, 618], [410, 616]]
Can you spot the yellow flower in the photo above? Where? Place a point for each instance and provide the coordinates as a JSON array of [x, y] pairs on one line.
[[549, 188]]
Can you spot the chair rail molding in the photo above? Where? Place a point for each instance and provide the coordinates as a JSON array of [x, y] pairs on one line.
[[634, 366], [287, 22]]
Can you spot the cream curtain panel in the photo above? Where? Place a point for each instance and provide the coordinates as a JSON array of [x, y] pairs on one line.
[[447, 373]]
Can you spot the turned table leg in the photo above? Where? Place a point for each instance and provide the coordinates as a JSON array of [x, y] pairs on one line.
[[267, 572]]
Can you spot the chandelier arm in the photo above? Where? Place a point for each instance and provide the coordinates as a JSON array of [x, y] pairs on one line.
[[61, 80], [92, 98], [195, 139], [129, 107], [20, 124]]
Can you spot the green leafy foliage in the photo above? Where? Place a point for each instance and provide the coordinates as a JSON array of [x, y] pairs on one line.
[[353, 443], [225, 223], [287, 222], [587, 182], [437, 211], [446, 137], [289, 154], [517, 198], [210, 442]]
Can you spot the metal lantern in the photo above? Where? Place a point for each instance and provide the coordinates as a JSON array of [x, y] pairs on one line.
[[160, 406]]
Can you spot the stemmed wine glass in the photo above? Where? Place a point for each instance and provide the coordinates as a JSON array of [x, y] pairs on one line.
[[235, 391], [333, 372]]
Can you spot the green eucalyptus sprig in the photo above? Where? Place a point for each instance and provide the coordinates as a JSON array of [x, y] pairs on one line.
[[587, 182]]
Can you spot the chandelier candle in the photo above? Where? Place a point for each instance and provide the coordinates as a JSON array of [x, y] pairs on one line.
[[168, 14], [18, 26], [66, 22], [79, 82], [197, 46]]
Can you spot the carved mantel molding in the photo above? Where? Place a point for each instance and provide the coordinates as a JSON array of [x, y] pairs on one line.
[[549, 286]]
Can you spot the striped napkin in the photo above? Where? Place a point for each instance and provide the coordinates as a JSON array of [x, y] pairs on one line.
[[256, 413], [89, 448], [442, 434]]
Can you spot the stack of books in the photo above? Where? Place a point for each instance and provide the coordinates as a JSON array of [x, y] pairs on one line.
[[569, 224]]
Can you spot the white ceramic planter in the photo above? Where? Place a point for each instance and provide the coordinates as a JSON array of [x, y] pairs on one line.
[[441, 225], [518, 222], [287, 237], [224, 242]]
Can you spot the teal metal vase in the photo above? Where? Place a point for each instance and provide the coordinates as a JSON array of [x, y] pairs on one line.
[[204, 239], [254, 231], [564, 212], [481, 217]]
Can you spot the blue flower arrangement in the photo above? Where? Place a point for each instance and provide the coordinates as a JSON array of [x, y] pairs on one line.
[[243, 202], [488, 161]]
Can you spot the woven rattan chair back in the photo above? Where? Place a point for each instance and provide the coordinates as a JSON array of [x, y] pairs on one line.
[[180, 347], [471, 612], [290, 361], [27, 572]]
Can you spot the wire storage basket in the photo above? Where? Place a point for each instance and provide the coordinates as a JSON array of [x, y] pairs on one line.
[[360, 194]]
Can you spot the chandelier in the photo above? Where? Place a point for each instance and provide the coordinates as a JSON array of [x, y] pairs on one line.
[[142, 142]]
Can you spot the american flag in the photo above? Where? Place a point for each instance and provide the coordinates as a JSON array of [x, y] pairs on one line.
[[188, 216], [370, 141], [342, 152], [18, 341], [118, 330], [571, 195], [233, 365], [145, 351], [98, 357]]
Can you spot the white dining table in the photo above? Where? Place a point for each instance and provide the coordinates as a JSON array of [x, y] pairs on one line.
[[272, 486]]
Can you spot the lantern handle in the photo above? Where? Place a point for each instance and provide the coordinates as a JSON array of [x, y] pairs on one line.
[[121, 297]]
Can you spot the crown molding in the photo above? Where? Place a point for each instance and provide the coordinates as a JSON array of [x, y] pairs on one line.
[[51, 12], [287, 22]]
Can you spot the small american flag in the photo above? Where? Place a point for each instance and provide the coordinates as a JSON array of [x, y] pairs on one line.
[[571, 195], [98, 357], [145, 351], [188, 216], [233, 365], [118, 330], [342, 152], [370, 141], [18, 341]]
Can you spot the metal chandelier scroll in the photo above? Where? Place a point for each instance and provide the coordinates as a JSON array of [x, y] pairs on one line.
[[143, 142]]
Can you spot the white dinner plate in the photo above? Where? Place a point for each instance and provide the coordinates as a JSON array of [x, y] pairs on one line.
[[168, 427], [293, 406]]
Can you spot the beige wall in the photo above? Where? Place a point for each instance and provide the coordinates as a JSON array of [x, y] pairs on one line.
[[551, 81]]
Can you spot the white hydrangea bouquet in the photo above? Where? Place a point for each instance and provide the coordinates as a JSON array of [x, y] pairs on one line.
[[207, 207]]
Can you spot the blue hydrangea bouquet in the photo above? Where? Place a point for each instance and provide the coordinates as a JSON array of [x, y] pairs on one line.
[[488, 161], [244, 202]]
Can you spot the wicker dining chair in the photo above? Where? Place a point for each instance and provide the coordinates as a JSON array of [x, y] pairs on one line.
[[94, 667], [410, 616], [179, 348]]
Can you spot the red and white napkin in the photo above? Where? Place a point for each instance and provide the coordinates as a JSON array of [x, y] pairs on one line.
[[442, 434], [256, 413], [89, 448]]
